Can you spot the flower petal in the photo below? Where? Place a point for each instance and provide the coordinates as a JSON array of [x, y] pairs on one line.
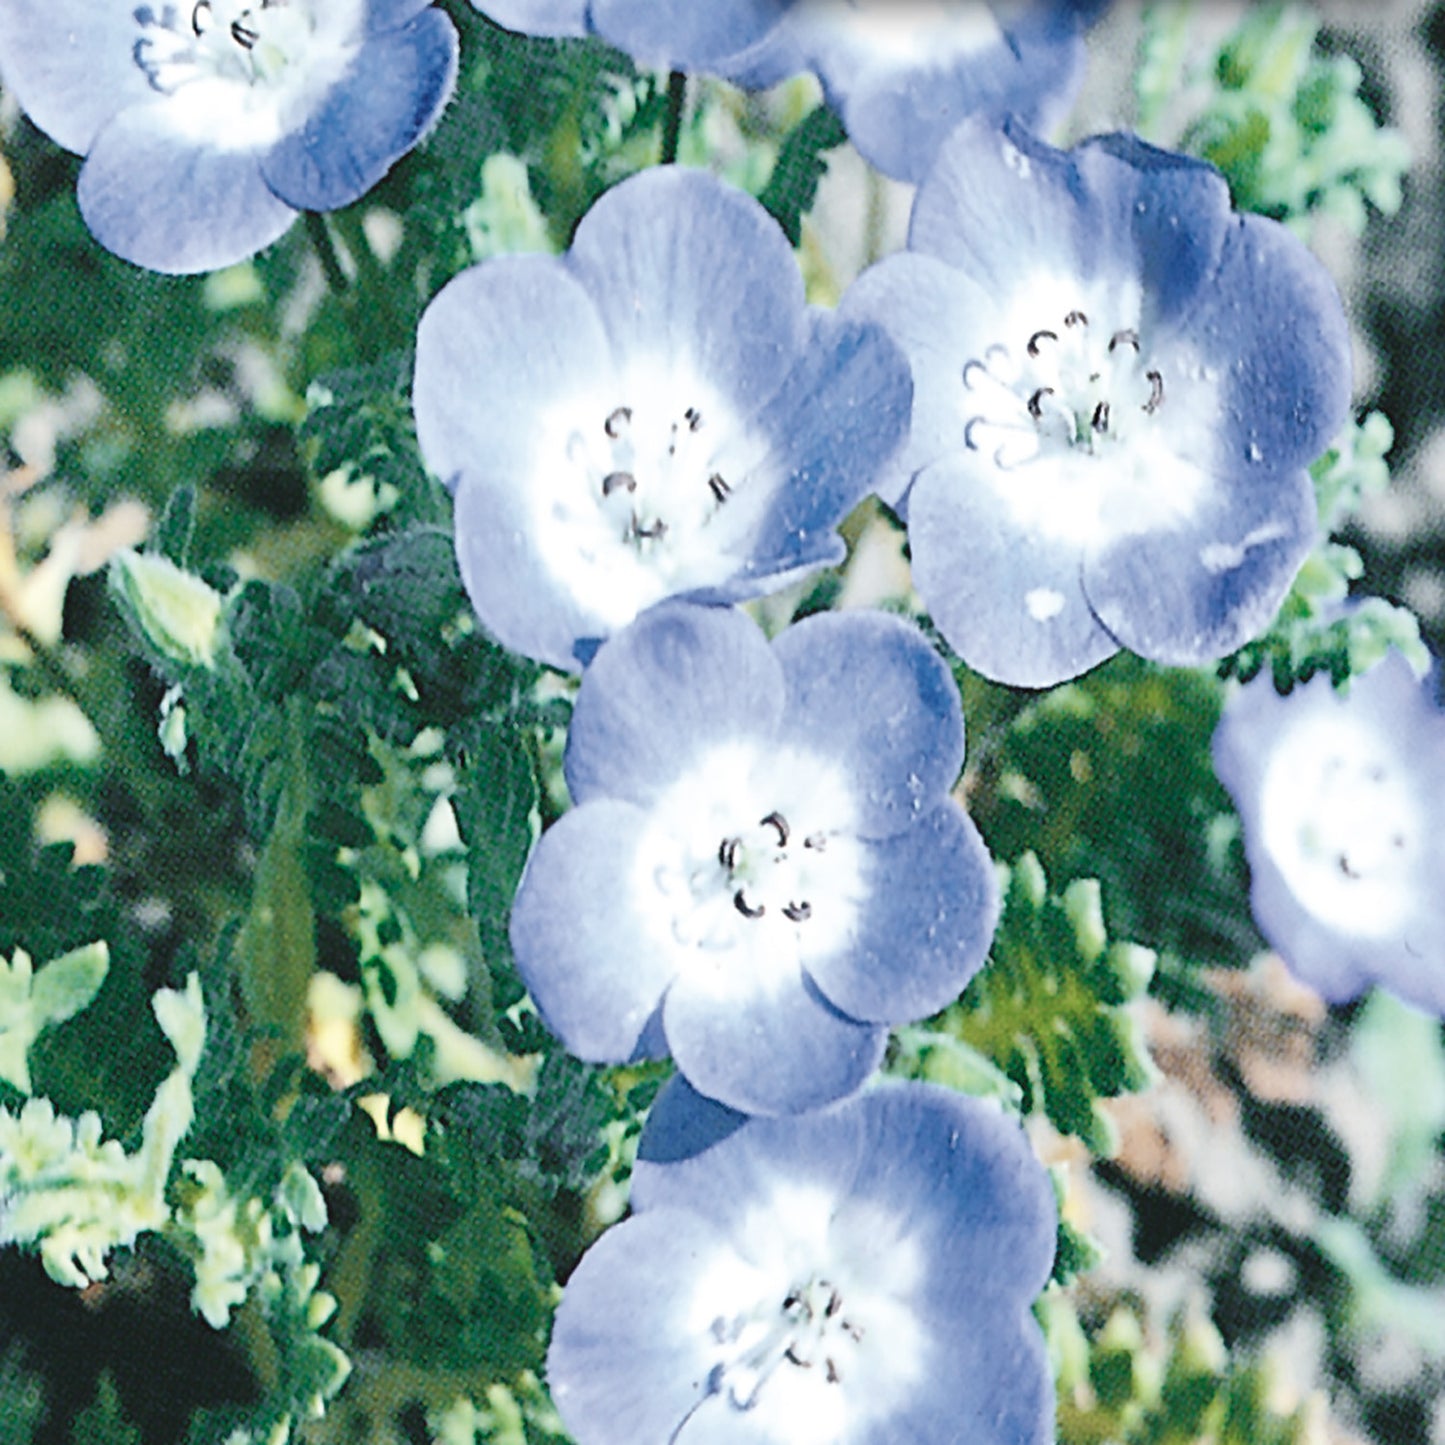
[[391, 94], [868, 692], [1195, 590], [71, 65], [659, 694], [575, 933], [158, 191], [537, 17], [692, 275], [932, 909], [1005, 588], [683, 36], [628, 1361], [755, 1034]]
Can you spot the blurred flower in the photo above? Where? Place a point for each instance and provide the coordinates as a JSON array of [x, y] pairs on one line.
[[857, 1274], [1118, 386], [655, 413], [206, 127], [901, 76], [764, 867], [1341, 797]]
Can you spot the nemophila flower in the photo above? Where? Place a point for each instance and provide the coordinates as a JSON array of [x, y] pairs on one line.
[[655, 413], [901, 74], [1118, 386], [1341, 798], [207, 126], [663, 33], [764, 868], [857, 1275]]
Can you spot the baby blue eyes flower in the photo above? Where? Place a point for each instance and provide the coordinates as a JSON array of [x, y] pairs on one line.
[[1118, 386], [1342, 802], [854, 1275], [207, 125], [655, 413], [901, 76], [764, 868]]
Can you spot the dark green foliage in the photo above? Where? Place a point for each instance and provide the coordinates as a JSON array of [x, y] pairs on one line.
[[1049, 1007], [802, 160]]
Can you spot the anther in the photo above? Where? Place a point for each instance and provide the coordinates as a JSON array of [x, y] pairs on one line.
[[831, 1371], [1126, 337], [1156, 391], [1076, 318], [196, 15], [817, 841], [1038, 336], [727, 852], [1036, 402], [694, 418], [613, 480], [654, 532], [718, 487], [835, 1303], [791, 1354], [616, 421], [742, 906], [1100, 419], [799, 913], [243, 35], [779, 823]]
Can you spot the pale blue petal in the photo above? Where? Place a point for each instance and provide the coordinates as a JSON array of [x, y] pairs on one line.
[[390, 96], [685, 35], [680, 680], [71, 64], [691, 275], [157, 193], [556, 18], [926, 928], [867, 693]]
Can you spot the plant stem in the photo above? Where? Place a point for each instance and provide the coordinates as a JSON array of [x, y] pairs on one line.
[[672, 121], [320, 234]]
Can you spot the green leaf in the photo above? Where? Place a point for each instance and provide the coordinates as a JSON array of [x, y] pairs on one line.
[[802, 161], [1048, 1009]]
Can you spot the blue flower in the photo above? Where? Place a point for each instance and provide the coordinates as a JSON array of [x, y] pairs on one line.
[[855, 1275], [1341, 797], [655, 413], [901, 77], [1118, 386], [764, 867], [663, 33], [207, 126]]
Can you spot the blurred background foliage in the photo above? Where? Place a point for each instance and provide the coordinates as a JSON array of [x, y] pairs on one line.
[[274, 749]]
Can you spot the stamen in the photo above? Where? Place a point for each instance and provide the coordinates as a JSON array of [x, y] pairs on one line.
[[741, 904], [616, 421], [727, 852], [1076, 318], [1036, 403], [1033, 342], [816, 841], [196, 15], [654, 532], [694, 418], [1156, 392], [717, 486], [779, 823], [1126, 337], [613, 480], [243, 35], [1100, 420], [798, 913], [791, 1354], [830, 1371]]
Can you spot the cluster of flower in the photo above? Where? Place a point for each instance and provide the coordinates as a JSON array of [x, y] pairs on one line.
[[1092, 391]]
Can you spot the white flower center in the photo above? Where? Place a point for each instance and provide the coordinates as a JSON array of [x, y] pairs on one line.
[[1343, 825], [644, 490], [240, 74], [753, 852], [247, 41], [812, 1317], [1072, 387]]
